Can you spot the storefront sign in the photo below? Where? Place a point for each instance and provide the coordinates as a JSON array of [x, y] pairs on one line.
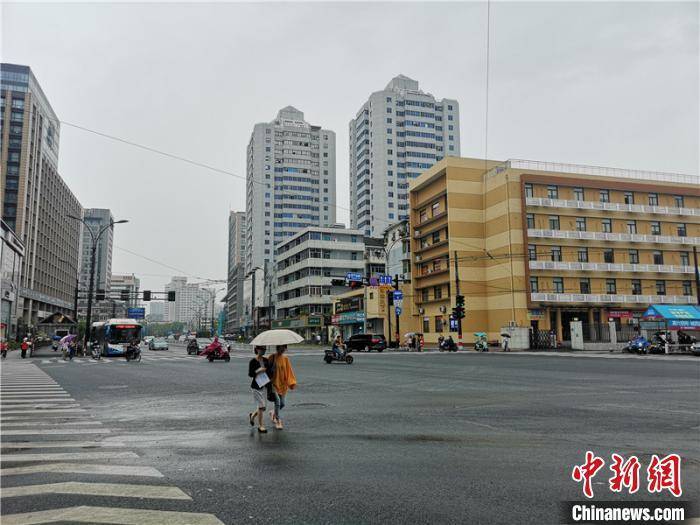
[[348, 318], [620, 314], [535, 314], [348, 305]]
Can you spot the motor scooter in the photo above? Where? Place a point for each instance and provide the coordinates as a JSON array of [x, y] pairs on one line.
[[480, 343], [192, 347], [637, 345], [133, 352], [447, 345], [213, 354], [330, 356]]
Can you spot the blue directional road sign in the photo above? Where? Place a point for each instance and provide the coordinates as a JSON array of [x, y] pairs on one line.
[[398, 310], [136, 313], [353, 276]]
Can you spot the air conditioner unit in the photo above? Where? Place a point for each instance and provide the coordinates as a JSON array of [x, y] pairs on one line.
[[421, 311], [443, 309], [416, 233]]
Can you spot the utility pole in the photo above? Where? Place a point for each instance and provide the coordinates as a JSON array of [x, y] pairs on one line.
[[389, 304], [459, 319], [398, 330], [252, 305], [697, 274]]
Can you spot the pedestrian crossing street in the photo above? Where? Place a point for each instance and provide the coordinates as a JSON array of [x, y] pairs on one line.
[[46, 436]]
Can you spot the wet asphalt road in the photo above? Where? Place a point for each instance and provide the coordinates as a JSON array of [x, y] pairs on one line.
[[393, 438]]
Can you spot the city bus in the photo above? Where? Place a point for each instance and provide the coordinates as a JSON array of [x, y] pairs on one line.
[[113, 337]]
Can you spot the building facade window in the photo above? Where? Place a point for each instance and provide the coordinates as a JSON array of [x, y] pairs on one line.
[[530, 218], [552, 192], [681, 230], [529, 192], [581, 224], [679, 201], [606, 225], [555, 252], [532, 252], [653, 199], [634, 256], [658, 257], [610, 286], [438, 323], [604, 195], [558, 284], [655, 228], [660, 287], [583, 255], [426, 325], [585, 285], [534, 285], [554, 222], [629, 197], [579, 194], [685, 259], [636, 287], [609, 255], [631, 226], [687, 288], [437, 292]]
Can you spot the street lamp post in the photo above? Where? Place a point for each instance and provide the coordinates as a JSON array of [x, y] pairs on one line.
[[93, 250]]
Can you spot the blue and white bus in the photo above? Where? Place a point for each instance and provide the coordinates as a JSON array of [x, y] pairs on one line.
[[114, 336]]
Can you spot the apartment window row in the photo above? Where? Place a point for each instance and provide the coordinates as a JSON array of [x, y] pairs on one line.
[[581, 254], [602, 195], [606, 225], [610, 286]]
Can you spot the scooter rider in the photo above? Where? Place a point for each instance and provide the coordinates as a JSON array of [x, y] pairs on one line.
[[338, 347]]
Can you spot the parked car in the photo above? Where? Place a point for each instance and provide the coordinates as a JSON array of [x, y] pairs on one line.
[[158, 344], [366, 342]]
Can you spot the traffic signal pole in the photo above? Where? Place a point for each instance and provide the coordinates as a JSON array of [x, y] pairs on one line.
[[459, 319], [398, 330]]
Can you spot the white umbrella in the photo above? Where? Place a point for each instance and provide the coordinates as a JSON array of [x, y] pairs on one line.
[[277, 337]]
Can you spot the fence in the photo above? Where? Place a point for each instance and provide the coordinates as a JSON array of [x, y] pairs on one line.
[[543, 340]]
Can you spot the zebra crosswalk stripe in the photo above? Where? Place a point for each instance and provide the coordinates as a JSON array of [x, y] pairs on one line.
[[82, 468], [123, 490], [115, 516], [53, 431], [61, 444], [66, 456]]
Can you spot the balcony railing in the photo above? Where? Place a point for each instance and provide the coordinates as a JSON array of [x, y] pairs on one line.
[[612, 206], [604, 298], [603, 236], [609, 267]]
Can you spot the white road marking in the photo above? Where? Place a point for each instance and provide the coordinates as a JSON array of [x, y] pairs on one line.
[[122, 490], [116, 516], [54, 431], [13, 424], [66, 456], [61, 444], [43, 411], [81, 468], [37, 401]]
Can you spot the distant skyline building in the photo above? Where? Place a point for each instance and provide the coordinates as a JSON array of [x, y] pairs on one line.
[[126, 286], [193, 303], [34, 199], [156, 311], [290, 183], [395, 136], [236, 257], [96, 219]]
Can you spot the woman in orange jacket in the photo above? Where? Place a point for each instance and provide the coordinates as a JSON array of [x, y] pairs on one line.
[[283, 379]]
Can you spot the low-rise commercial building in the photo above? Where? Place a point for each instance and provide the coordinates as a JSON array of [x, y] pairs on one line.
[[307, 265], [538, 244]]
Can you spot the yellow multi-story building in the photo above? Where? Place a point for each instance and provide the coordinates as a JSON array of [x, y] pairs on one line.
[[538, 244]]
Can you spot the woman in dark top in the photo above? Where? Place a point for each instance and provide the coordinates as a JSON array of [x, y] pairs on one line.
[[260, 370]]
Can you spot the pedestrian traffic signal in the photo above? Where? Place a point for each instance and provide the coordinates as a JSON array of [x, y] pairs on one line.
[[171, 297], [146, 295]]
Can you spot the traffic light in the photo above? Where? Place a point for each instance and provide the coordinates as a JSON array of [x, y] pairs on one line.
[[146, 295], [390, 297], [171, 297], [124, 295], [459, 311], [100, 295]]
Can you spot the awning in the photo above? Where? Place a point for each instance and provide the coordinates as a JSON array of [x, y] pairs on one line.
[[686, 316]]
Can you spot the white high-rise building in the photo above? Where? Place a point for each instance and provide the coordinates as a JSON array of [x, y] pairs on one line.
[[290, 183], [236, 255], [395, 136], [193, 304]]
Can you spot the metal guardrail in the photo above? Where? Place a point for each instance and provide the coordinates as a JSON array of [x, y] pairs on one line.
[[609, 267], [612, 206], [604, 236], [605, 298]]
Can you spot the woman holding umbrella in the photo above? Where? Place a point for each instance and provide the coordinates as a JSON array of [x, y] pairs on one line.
[[283, 378]]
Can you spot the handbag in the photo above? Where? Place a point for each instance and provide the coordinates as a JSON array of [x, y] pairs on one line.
[[271, 394], [270, 391]]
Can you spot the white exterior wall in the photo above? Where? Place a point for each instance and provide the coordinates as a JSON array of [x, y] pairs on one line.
[[385, 152]]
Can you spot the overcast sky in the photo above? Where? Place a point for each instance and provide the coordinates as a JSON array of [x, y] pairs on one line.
[[610, 84]]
